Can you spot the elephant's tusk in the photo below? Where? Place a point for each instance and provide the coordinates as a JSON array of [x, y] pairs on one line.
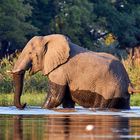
[[9, 71]]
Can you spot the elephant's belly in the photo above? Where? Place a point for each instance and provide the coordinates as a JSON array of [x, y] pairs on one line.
[[89, 99]]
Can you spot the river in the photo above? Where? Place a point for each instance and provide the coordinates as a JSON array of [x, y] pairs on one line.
[[34, 123]]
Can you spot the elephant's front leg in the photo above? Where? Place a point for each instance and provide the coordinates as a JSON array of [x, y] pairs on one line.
[[55, 95], [67, 100]]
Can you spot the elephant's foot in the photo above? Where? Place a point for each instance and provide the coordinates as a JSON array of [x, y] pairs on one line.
[[68, 105]]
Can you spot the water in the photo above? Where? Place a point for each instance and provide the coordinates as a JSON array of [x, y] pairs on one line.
[[35, 123]]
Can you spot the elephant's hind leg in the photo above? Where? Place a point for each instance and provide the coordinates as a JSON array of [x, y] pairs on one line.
[[119, 103], [67, 100]]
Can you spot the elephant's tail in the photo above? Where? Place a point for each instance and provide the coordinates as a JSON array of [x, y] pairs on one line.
[[131, 89]]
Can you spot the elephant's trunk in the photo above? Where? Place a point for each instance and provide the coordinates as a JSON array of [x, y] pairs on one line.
[[18, 83]]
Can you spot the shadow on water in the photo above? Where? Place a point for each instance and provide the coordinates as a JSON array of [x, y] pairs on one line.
[[68, 127]]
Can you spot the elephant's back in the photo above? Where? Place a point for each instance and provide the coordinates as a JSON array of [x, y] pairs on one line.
[[88, 59], [87, 63]]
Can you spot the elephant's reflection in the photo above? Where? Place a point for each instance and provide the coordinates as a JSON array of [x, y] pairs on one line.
[[86, 127], [29, 127], [18, 129], [75, 127]]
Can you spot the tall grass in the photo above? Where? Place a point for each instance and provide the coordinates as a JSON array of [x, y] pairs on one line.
[[35, 87], [134, 75]]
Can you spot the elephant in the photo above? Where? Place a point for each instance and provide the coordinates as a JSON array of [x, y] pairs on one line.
[[75, 75]]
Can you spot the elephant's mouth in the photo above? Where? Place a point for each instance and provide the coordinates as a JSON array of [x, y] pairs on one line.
[[34, 69]]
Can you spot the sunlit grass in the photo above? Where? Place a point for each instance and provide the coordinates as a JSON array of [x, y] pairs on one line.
[[135, 100], [133, 72], [6, 99], [134, 75], [36, 99]]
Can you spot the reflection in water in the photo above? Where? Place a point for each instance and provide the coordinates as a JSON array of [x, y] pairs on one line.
[[68, 127], [17, 126], [86, 127]]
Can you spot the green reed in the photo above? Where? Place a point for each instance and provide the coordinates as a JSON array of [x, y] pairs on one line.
[[32, 99]]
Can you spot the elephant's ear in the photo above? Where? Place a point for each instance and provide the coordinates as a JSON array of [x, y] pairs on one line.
[[57, 52]]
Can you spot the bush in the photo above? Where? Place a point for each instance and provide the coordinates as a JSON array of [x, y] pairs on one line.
[[35, 83], [5, 77]]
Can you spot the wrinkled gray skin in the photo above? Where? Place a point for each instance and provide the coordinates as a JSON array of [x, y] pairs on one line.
[[96, 80]]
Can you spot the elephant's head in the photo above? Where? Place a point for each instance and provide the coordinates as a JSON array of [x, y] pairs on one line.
[[42, 53]]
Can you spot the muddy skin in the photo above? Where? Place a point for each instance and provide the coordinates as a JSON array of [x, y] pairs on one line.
[[61, 94], [89, 99], [55, 95], [58, 94]]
